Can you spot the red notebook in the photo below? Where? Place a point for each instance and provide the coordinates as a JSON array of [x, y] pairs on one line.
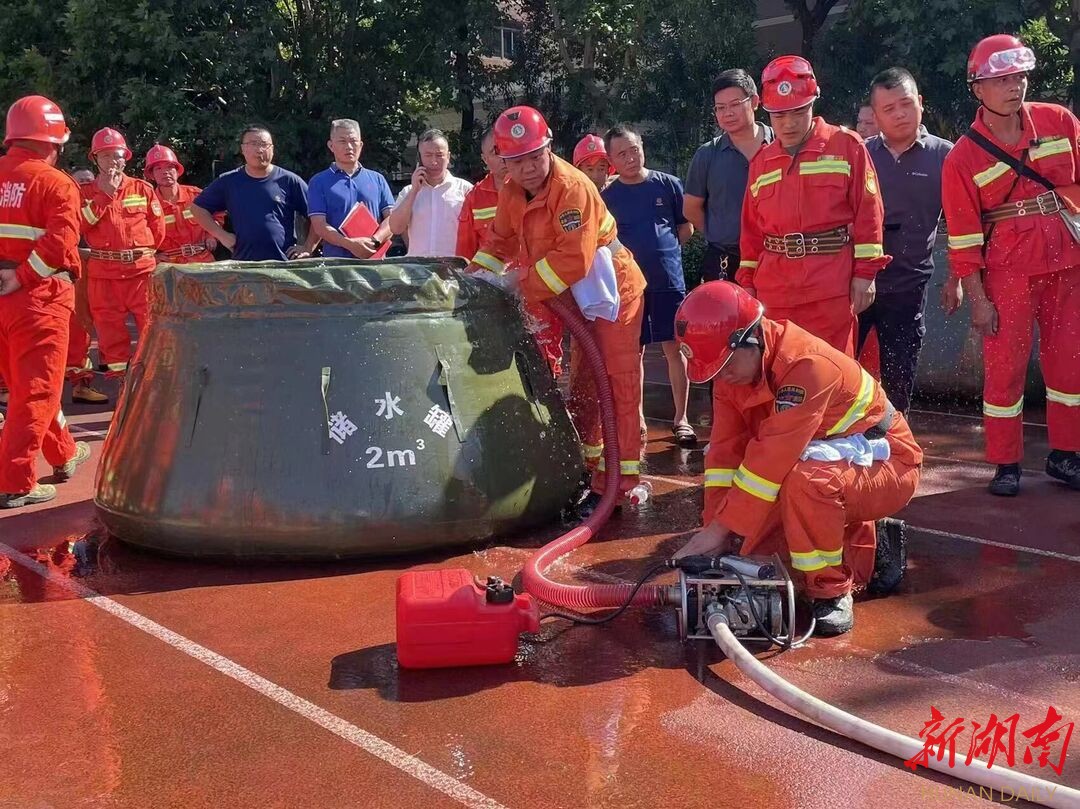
[[359, 223]]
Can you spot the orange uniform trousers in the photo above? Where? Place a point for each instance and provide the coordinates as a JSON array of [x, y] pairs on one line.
[[1053, 301], [111, 301], [831, 319], [829, 509], [33, 346], [619, 342]]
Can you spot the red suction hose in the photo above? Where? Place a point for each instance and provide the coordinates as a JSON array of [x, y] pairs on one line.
[[534, 576]]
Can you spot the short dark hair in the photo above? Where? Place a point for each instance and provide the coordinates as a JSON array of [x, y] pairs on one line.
[[247, 130], [890, 79], [428, 135], [736, 77], [865, 103], [487, 134], [619, 131]]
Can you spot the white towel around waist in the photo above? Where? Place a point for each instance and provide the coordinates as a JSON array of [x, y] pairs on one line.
[[597, 294], [856, 449]]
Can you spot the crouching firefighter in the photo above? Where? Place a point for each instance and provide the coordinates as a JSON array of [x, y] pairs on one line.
[[550, 217], [806, 451]]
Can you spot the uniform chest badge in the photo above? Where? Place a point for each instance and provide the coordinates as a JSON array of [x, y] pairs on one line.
[[570, 219], [789, 396]]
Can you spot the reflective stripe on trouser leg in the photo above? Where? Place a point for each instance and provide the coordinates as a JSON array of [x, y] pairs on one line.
[[34, 347], [581, 401], [111, 300], [1005, 362], [1059, 354], [812, 510], [620, 343]]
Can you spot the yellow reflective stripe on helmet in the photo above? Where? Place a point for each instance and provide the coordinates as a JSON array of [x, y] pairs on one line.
[[1067, 399], [550, 277], [719, 477], [869, 251], [816, 560], [768, 178], [607, 225], [756, 485], [592, 450], [1051, 147], [489, 262], [133, 202], [39, 266], [483, 213], [966, 240], [991, 174], [825, 167], [89, 215], [996, 412], [858, 408], [21, 232], [170, 219], [750, 265]]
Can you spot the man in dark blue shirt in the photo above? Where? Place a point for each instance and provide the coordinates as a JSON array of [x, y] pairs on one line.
[[333, 193], [265, 204], [648, 210], [908, 161], [716, 182]]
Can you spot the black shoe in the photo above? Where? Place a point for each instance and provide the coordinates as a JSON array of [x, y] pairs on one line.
[[589, 503], [890, 557], [1006, 482], [834, 616], [1064, 466]]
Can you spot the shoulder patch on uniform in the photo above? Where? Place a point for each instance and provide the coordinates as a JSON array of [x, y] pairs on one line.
[[570, 219], [871, 183], [789, 396], [155, 207]]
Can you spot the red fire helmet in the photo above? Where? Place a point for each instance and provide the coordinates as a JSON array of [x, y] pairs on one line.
[[158, 155], [519, 131], [36, 118], [589, 147], [108, 139], [788, 83], [715, 319], [999, 55]]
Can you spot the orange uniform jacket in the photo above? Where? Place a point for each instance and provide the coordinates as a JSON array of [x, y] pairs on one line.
[[830, 183], [973, 182], [555, 234], [182, 229], [39, 217], [808, 390], [131, 219], [477, 215]]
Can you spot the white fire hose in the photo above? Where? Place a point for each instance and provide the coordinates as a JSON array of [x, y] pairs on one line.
[[887, 741]]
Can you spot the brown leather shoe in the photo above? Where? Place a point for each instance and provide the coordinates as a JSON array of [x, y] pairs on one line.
[[88, 395]]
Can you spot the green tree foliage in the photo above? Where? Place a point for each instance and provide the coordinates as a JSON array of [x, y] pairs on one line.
[[590, 64], [932, 38]]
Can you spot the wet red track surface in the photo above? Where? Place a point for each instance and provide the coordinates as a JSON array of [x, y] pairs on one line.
[[305, 705]]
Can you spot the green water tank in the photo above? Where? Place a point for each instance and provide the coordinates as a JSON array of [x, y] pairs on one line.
[[328, 409]]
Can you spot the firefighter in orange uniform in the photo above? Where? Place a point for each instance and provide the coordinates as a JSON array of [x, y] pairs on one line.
[[591, 158], [80, 371], [550, 218], [477, 214], [185, 240], [39, 258], [123, 225], [1015, 257], [811, 240], [806, 450]]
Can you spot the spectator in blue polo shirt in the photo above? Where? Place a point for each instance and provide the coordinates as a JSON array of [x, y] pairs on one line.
[[333, 193], [648, 209], [266, 204]]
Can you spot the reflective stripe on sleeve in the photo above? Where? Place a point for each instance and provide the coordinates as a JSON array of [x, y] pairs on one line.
[[988, 176], [21, 232], [966, 240], [869, 251], [89, 215], [489, 262], [756, 485], [768, 178], [39, 266], [750, 265], [858, 408], [550, 277]]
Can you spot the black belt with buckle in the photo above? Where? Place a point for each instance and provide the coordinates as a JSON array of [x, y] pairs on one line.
[[882, 427]]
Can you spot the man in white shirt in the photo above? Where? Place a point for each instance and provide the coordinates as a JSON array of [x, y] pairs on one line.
[[427, 209]]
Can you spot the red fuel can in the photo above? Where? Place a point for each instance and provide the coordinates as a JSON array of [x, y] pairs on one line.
[[445, 618]]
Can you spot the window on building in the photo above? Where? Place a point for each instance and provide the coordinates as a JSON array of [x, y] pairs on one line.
[[507, 42]]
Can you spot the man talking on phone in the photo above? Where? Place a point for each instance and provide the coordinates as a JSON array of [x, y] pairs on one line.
[[427, 209]]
